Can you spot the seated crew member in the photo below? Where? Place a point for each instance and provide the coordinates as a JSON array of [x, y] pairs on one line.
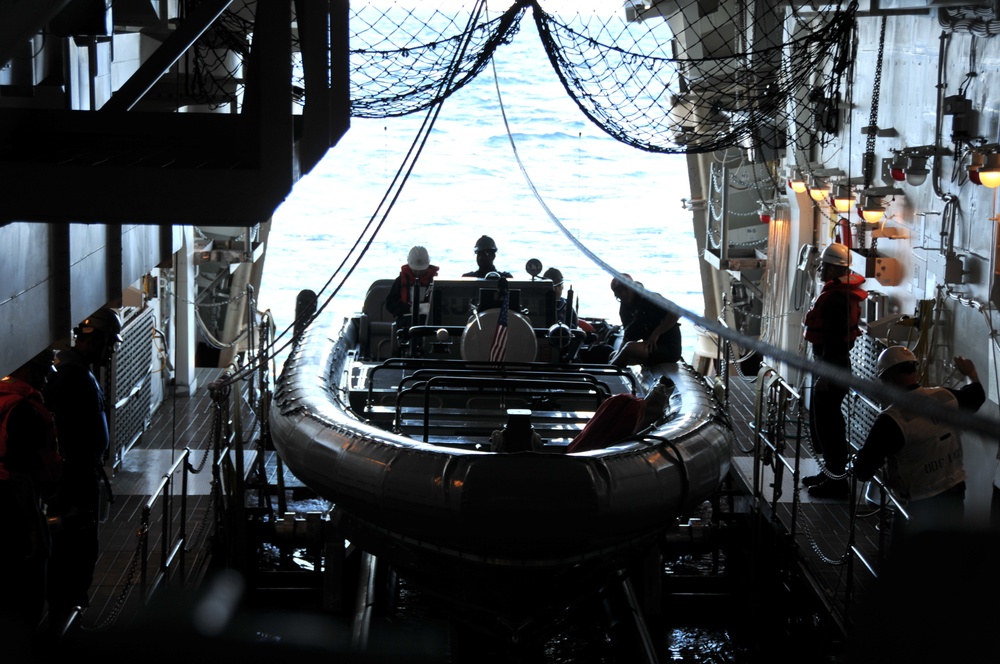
[[417, 271], [652, 334], [486, 252], [563, 308]]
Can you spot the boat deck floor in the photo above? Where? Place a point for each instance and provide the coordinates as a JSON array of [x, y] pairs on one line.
[[186, 421]]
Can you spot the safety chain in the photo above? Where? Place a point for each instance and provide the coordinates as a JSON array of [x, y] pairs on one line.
[[141, 534], [204, 457], [814, 545], [868, 163], [734, 360], [806, 441], [201, 525], [868, 160]]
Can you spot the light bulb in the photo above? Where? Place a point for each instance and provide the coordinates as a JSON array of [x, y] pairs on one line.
[[873, 215], [916, 171], [842, 204], [842, 198], [872, 211], [990, 178], [797, 182], [989, 174]]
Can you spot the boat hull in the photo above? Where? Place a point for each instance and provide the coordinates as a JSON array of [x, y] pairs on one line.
[[476, 519]]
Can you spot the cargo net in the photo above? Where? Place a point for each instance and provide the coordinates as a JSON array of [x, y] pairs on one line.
[[679, 76]]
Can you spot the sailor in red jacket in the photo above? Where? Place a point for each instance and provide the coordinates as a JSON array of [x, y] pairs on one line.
[[29, 468], [831, 326], [417, 271]]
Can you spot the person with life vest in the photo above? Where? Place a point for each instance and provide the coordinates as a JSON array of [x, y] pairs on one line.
[[565, 309], [486, 253], [922, 453], [831, 326], [77, 401], [415, 276], [29, 467]]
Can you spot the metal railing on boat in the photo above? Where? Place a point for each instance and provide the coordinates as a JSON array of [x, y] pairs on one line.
[[462, 385], [442, 367]]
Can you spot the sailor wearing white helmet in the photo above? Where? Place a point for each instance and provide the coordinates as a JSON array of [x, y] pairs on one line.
[[922, 454], [831, 326]]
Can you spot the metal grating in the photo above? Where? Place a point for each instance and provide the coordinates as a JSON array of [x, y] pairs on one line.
[[131, 396], [860, 413]]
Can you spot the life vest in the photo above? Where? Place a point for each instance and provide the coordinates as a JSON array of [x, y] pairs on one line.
[[407, 279], [13, 392], [616, 418], [815, 318], [931, 460]]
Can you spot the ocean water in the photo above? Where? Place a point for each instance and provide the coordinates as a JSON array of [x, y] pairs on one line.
[[622, 204]]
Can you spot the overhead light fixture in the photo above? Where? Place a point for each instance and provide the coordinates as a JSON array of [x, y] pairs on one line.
[[916, 170], [872, 211], [817, 189], [842, 198], [797, 182], [977, 163], [989, 174], [897, 169]]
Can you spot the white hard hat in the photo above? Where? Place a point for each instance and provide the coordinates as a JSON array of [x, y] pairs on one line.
[[836, 254], [418, 258], [891, 357]]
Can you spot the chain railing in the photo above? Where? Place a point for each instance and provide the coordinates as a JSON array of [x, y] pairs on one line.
[[779, 443], [172, 527]]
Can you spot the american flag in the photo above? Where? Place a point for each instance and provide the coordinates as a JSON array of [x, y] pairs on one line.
[[499, 348]]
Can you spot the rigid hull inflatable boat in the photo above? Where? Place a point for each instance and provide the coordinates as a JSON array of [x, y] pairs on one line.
[[455, 470]]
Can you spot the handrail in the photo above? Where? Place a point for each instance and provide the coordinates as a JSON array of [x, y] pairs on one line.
[[171, 546], [507, 385], [780, 406], [413, 364]]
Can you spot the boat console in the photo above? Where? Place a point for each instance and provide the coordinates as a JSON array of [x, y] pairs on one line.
[[454, 300]]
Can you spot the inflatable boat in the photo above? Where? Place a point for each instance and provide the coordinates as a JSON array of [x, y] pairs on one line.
[[460, 471]]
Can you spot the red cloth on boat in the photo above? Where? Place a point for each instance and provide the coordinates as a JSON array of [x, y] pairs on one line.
[[618, 417]]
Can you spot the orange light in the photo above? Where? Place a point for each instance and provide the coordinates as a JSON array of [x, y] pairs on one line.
[[989, 174]]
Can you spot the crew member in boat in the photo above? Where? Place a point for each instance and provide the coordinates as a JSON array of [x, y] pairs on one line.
[[416, 272], [565, 310], [486, 253], [831, 325], [652, 334], [922, 454]]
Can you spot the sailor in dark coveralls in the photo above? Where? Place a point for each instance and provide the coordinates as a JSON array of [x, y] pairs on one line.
[[77, 401]]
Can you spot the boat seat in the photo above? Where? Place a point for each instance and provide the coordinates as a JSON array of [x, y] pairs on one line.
[[377, 335]]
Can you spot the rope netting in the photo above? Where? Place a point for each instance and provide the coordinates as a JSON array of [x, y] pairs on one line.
[[679, 76]]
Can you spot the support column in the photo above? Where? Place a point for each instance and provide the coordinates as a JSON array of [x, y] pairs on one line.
[[186, 335]]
